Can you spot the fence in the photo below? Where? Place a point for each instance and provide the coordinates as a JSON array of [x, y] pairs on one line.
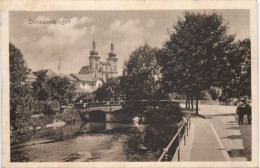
[[201, 102], [182, 132]]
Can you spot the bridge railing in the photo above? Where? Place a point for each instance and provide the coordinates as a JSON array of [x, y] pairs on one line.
[[182, 132], [103, 103]]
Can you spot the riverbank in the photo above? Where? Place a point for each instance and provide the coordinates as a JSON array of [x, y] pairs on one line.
[[33, 124], [97, 141]]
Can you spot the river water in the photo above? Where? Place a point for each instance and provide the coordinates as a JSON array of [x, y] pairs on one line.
[[81, 143]]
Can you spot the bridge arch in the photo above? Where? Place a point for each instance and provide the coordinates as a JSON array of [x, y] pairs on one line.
[[98, 116]]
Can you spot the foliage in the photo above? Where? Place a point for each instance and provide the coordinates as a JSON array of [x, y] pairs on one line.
[[140, 80], [70, 116], [85, 97], [163, 120], [40, 87], [239, 64], [214, 92], [54, 88], [44, 96], [19, 89], [61, 89], [109, 90], [194, 58]]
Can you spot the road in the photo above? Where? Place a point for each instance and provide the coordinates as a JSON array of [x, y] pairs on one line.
[[217, 136]]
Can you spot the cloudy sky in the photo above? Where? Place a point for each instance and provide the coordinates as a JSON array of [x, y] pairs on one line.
[[43, 44]]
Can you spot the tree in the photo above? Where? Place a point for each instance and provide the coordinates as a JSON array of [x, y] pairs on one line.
[[140, 80], [62, 90], [110, 90], [19, 89], [239, 64], [194, 58], [41, 88], [214, 92], [52, 91]]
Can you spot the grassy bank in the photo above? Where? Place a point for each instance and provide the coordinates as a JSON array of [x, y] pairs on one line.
[[163, 124], [69, 116]]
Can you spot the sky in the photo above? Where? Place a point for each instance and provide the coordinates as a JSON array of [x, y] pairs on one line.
[[43, 45]]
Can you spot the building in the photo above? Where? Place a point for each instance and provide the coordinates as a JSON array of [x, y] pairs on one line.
[[92, 76], [30, 77], [87, 83], [98, 69]]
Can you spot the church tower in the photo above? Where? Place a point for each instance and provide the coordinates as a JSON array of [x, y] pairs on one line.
[[94, 58], [112, 60]]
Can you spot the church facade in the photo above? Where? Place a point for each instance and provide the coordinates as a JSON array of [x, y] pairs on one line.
[[98, 69], [90, 77]]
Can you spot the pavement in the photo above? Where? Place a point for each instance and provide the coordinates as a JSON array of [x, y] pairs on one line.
[[215, 136]]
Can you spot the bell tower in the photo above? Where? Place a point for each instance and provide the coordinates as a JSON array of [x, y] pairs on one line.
[[94, 58], [112, 60]]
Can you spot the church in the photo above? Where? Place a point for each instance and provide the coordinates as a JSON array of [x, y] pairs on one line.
[[92, 76], [98, 69]]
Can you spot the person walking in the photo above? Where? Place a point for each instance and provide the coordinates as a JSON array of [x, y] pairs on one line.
[[248, 112], [240, 111]]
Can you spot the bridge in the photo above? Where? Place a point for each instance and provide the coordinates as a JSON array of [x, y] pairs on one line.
[[106, 106], [110, 111]]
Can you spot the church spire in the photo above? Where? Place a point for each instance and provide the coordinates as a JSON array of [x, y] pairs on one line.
[[93, 51], [94, 45], [112, 47], [111, 53]]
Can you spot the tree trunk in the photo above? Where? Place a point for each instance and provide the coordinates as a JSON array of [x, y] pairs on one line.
[[188, 102], [192, 102], [197, 105]]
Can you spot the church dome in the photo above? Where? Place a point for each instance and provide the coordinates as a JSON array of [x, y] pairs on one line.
[[93, 52]]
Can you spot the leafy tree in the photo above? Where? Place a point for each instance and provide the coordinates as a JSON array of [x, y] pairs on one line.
[[54, 89], [140, 80], [40, 87], [239, 63], [195, 56], [214, 92], [85, 97], [61, 89], [19, 89], [109, 90]]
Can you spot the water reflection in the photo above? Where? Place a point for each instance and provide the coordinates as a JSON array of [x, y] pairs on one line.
[[79, 142]]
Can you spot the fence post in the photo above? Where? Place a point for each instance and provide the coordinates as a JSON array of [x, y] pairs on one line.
[[184, 138], [189, 122], [166, 155], [187, 129], [179, 152]]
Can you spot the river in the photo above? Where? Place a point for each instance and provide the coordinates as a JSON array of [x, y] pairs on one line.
[[82, 143]]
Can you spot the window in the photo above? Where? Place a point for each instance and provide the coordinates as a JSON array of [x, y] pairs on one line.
[[114, 67], [96, 65]]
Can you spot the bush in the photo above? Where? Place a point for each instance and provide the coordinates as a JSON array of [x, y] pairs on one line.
[[70, 116], [163, 124]]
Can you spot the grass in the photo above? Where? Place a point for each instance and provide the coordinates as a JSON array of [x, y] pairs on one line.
[[246, 134]]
